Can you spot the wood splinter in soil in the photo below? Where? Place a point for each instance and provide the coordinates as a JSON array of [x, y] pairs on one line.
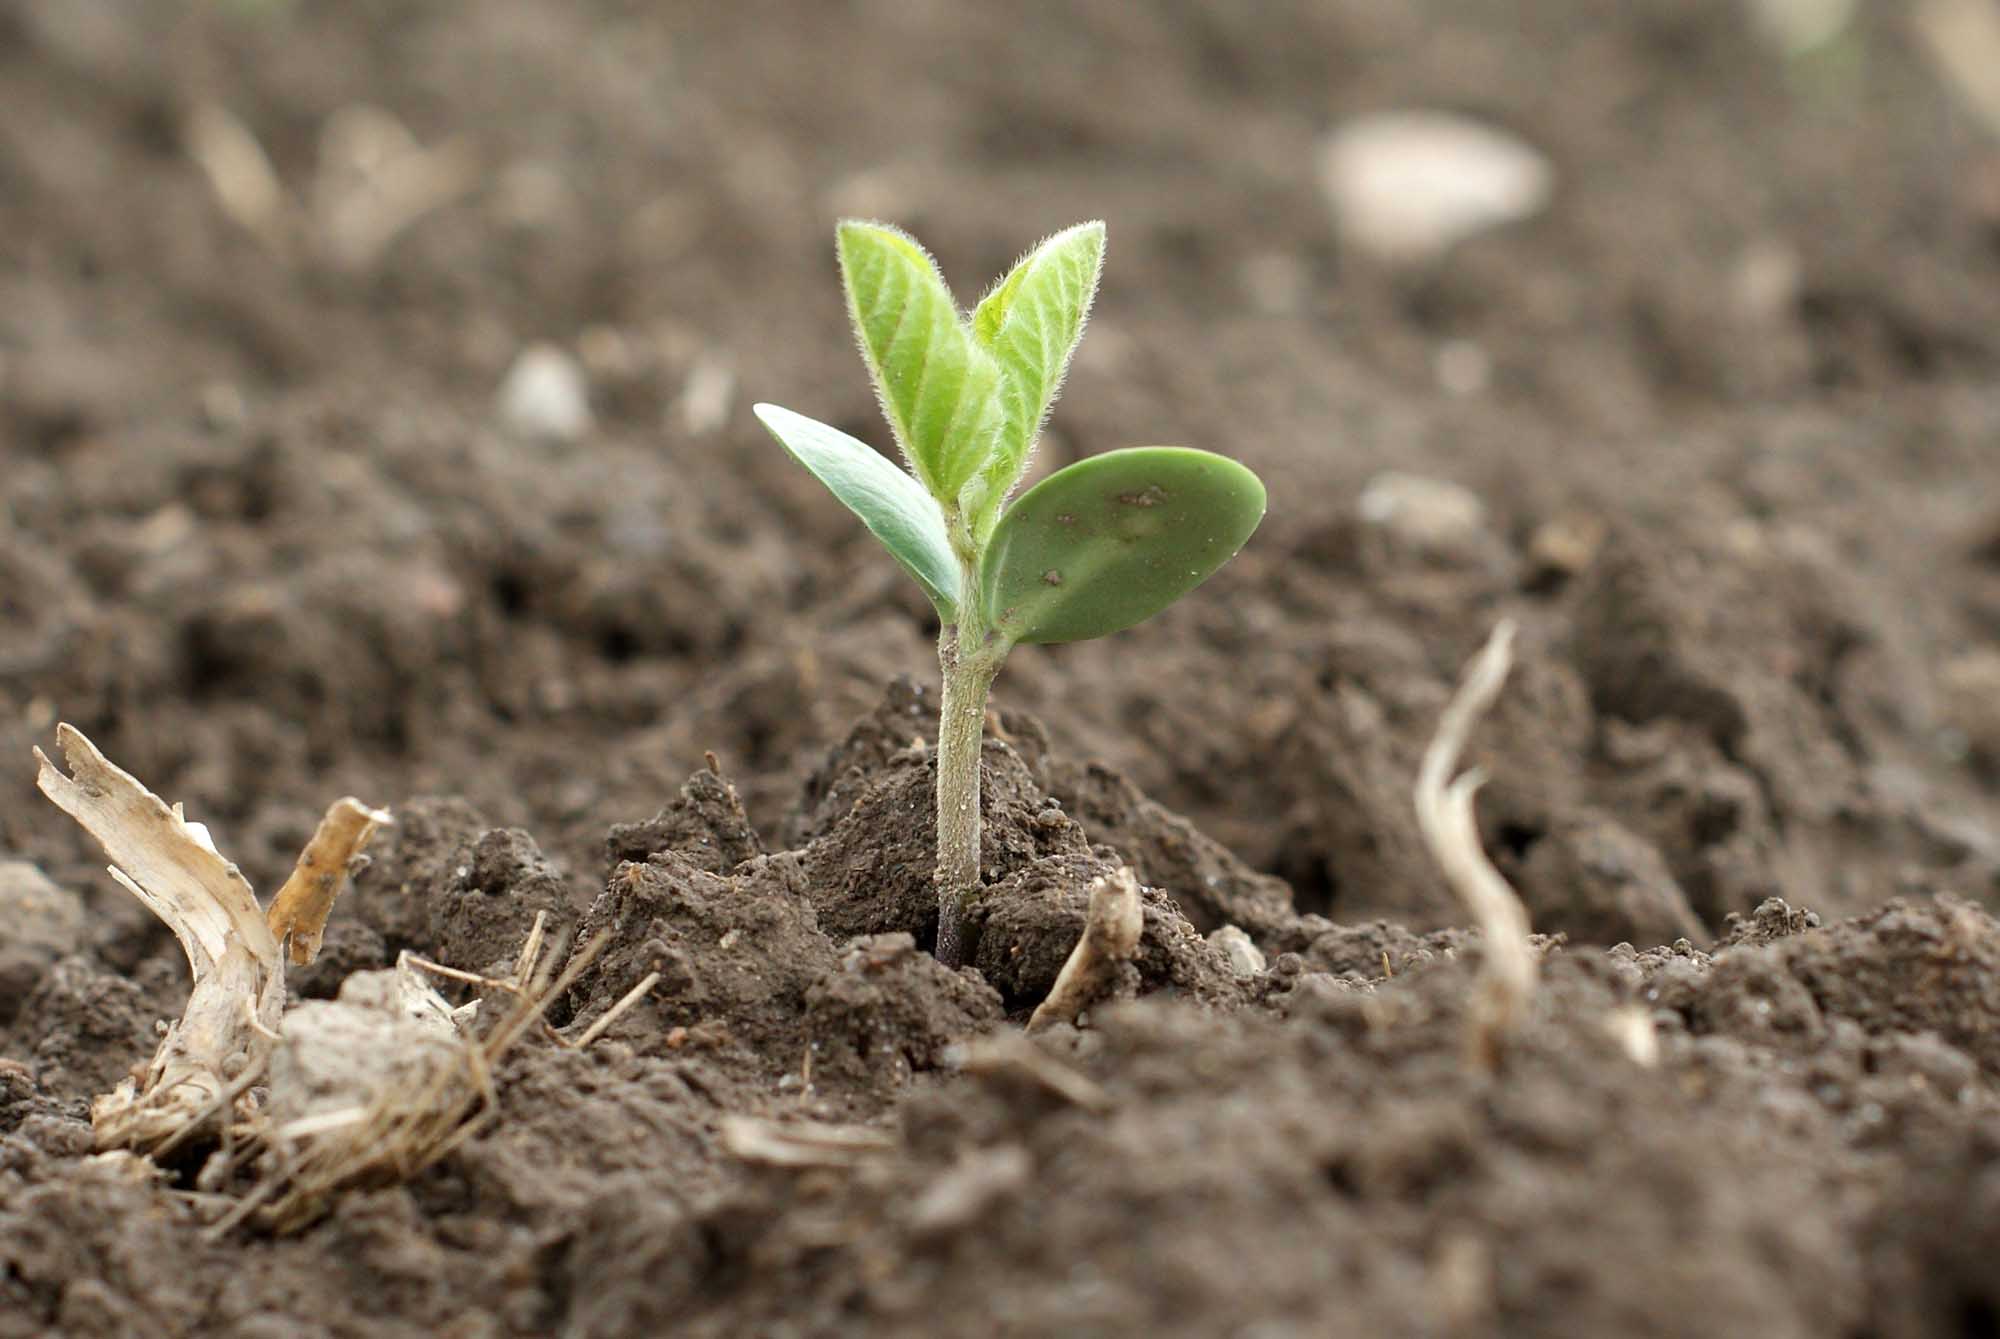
[[299, 911], [1110, 939], [1444, 815], [802, 1144], [1019, 1059]]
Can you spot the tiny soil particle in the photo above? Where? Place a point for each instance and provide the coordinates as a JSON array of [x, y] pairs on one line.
[[1152, 495], [1052, 577]]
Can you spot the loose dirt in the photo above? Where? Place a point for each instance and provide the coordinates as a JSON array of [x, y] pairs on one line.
[[1729, 410]]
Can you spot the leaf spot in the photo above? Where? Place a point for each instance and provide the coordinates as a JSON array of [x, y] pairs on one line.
[[1152, 495], [1052, 577]]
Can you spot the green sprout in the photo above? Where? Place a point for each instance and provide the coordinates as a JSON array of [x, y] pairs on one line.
[[1093, 549]]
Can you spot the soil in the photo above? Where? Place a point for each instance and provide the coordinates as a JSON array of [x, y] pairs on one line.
[[267, 539]]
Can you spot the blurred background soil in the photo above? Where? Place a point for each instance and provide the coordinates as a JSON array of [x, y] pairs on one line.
[[374, 386]]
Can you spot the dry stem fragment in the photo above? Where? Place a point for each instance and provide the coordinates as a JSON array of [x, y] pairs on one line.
[[806, 1144], [238, 171], [375, 181], [300, 909], [1110, 938], [524, 983], [363, 1090], [963, 1193], [617, 1011], [428, 1095], [239, 981], [201, 1077], [1017, 1057], [1444, 814]]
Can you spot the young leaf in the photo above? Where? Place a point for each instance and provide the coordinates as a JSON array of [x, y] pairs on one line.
[[939, 387], [889, 502], [1031, 322], [1113, 539]]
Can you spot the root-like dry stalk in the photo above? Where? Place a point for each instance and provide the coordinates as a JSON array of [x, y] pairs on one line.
[[617, 1011], [375, 181], [238, 171], [802, 1143], [1110, 938], [1018, 1058], [366, 1089], [299, 911], [197, 1080], [239, 982], [1444, 814]]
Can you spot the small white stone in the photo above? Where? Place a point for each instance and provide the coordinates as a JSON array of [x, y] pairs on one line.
[[703, 406], [1766, 283], [1429, 515], [1799, 27], [223, 407], [1407, 186], [545, 396], [1245, 958], [1632, 1029]]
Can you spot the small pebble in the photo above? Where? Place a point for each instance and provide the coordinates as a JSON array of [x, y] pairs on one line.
[[1566, 545], [1245, 958], [544, 396], [1434, 517], [1407, 186]]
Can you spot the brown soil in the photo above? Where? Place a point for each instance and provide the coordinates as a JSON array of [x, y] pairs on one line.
[[264, 537]]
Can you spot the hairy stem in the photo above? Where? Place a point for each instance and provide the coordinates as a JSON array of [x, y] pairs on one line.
[[969, 666]]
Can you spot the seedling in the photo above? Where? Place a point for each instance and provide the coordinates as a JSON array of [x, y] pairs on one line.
[[1093, 549]]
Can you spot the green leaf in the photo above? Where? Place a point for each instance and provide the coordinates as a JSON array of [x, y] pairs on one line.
[[939, 388], [889, 502], [1112, 540], [1031, 322]]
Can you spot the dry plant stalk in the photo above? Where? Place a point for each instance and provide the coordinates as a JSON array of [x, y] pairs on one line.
[[801, 1144], [373, 183], [1015, 1057], [366, 1089], [238, 170], [1110, 939], [231, 1019], [299, 911], [394, 1088], [1444, 814]]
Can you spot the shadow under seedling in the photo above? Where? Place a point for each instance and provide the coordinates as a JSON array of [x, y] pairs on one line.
[[1093, 549]]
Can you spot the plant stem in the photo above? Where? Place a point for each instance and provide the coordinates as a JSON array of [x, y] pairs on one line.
[[968, 666]]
